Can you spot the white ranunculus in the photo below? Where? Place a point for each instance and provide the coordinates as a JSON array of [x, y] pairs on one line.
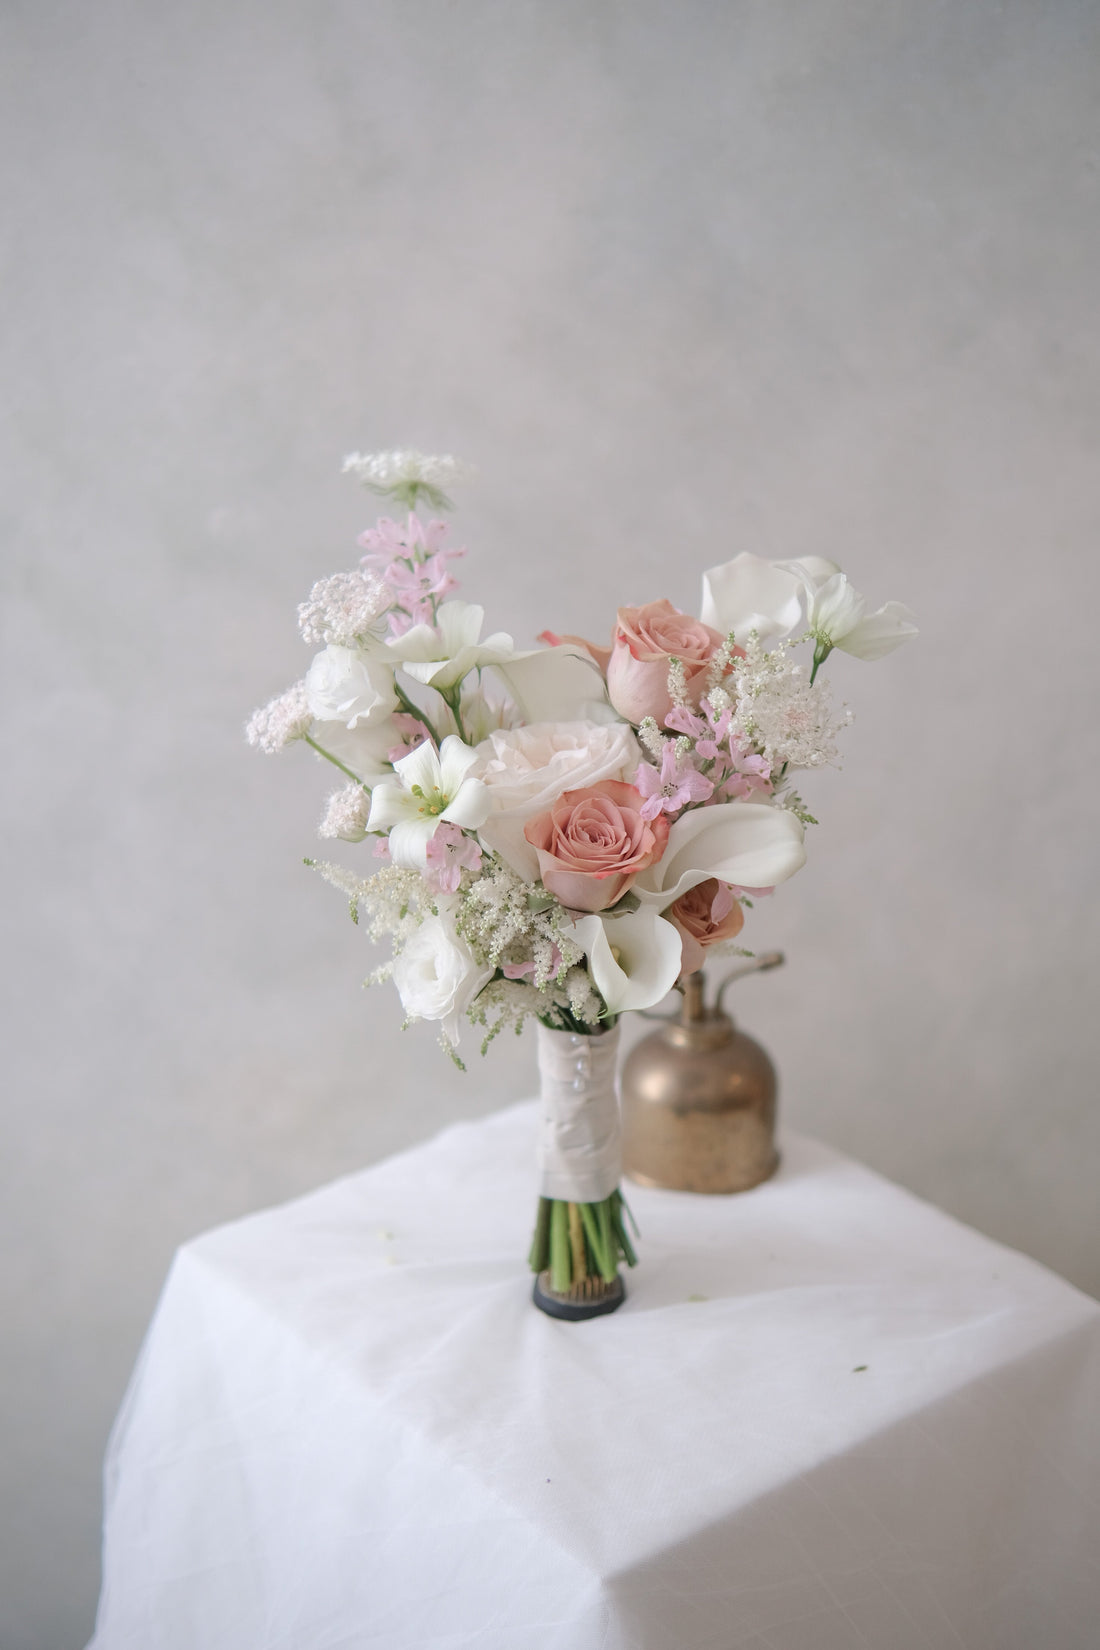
[[526, 770], [437, 975], [634, 960], [442, 654], [837, 616], [350, 685], [748, 844], [427, 789]]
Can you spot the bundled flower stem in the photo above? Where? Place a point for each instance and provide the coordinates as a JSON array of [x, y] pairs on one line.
[[580, 1243]]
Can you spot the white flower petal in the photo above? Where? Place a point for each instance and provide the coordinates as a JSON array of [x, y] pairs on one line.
[[880, 633], [749, 593], [408, 841], [456, 758], [749, 844], [389, 804], [470, 805], [420, 767], [834, 608], [557, 684], [634, 960]]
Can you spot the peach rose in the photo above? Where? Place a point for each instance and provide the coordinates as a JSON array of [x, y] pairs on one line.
[[705, 915], [593, 842], [645, 639]]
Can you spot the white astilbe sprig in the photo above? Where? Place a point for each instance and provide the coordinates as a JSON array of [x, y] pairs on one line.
[[406, 474], [346, 814], [585, 1003], [390, 904], [504, 1005], [343, 609], [281, 721], [506, 920], [789, 720]]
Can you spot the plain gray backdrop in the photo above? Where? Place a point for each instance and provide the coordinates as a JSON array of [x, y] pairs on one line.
[[681, 280]]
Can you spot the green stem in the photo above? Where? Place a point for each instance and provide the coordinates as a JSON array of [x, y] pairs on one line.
[[415, 710], [561, 1261], [821, 653], [335, 760]]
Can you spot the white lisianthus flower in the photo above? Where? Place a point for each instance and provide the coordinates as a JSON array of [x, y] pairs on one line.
[[437, 975], [634, 960], [836, 615], [426, 789], [350, 685], [527, 769], [442, 654], [748, 844]]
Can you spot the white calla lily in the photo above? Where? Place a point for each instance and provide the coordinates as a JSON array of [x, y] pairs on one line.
[[440, 655], [748, 844], [634, 960], [836, 614], [750, 593], [427, 789], [557, 684]]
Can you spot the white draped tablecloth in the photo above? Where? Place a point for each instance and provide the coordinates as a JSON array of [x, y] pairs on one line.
[[827, 1417]]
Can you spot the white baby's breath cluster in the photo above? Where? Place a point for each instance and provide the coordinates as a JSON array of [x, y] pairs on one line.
[[343, 609]]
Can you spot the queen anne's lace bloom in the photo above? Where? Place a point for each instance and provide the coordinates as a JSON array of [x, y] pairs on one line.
[[793, 722], [384, 471], [343, 608], [281, 721]]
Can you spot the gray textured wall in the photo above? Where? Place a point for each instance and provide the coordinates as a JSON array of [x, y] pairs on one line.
[[681, 280]]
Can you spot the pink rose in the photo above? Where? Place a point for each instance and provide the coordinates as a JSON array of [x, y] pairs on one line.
[[593, 842], [645, 639], [705, 915]]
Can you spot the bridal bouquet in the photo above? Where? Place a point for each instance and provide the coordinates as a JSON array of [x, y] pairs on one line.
[[563, 831]]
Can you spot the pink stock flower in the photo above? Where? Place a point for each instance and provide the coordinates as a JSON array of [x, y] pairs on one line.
[[412, 559], [449, 851], [412, 731], [682, 720], [751, 773], [674, 786]]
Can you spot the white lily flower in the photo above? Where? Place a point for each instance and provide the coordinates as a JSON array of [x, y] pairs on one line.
[[442, 654], [749, 593], [428, 788], [634, 960], [836, 614], [748, 844]]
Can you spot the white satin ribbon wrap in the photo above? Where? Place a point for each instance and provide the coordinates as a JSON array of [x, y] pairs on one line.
[[579, 1150]]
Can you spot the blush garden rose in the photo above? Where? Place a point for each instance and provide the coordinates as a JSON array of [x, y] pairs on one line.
[[646, 639], [593, 842]]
